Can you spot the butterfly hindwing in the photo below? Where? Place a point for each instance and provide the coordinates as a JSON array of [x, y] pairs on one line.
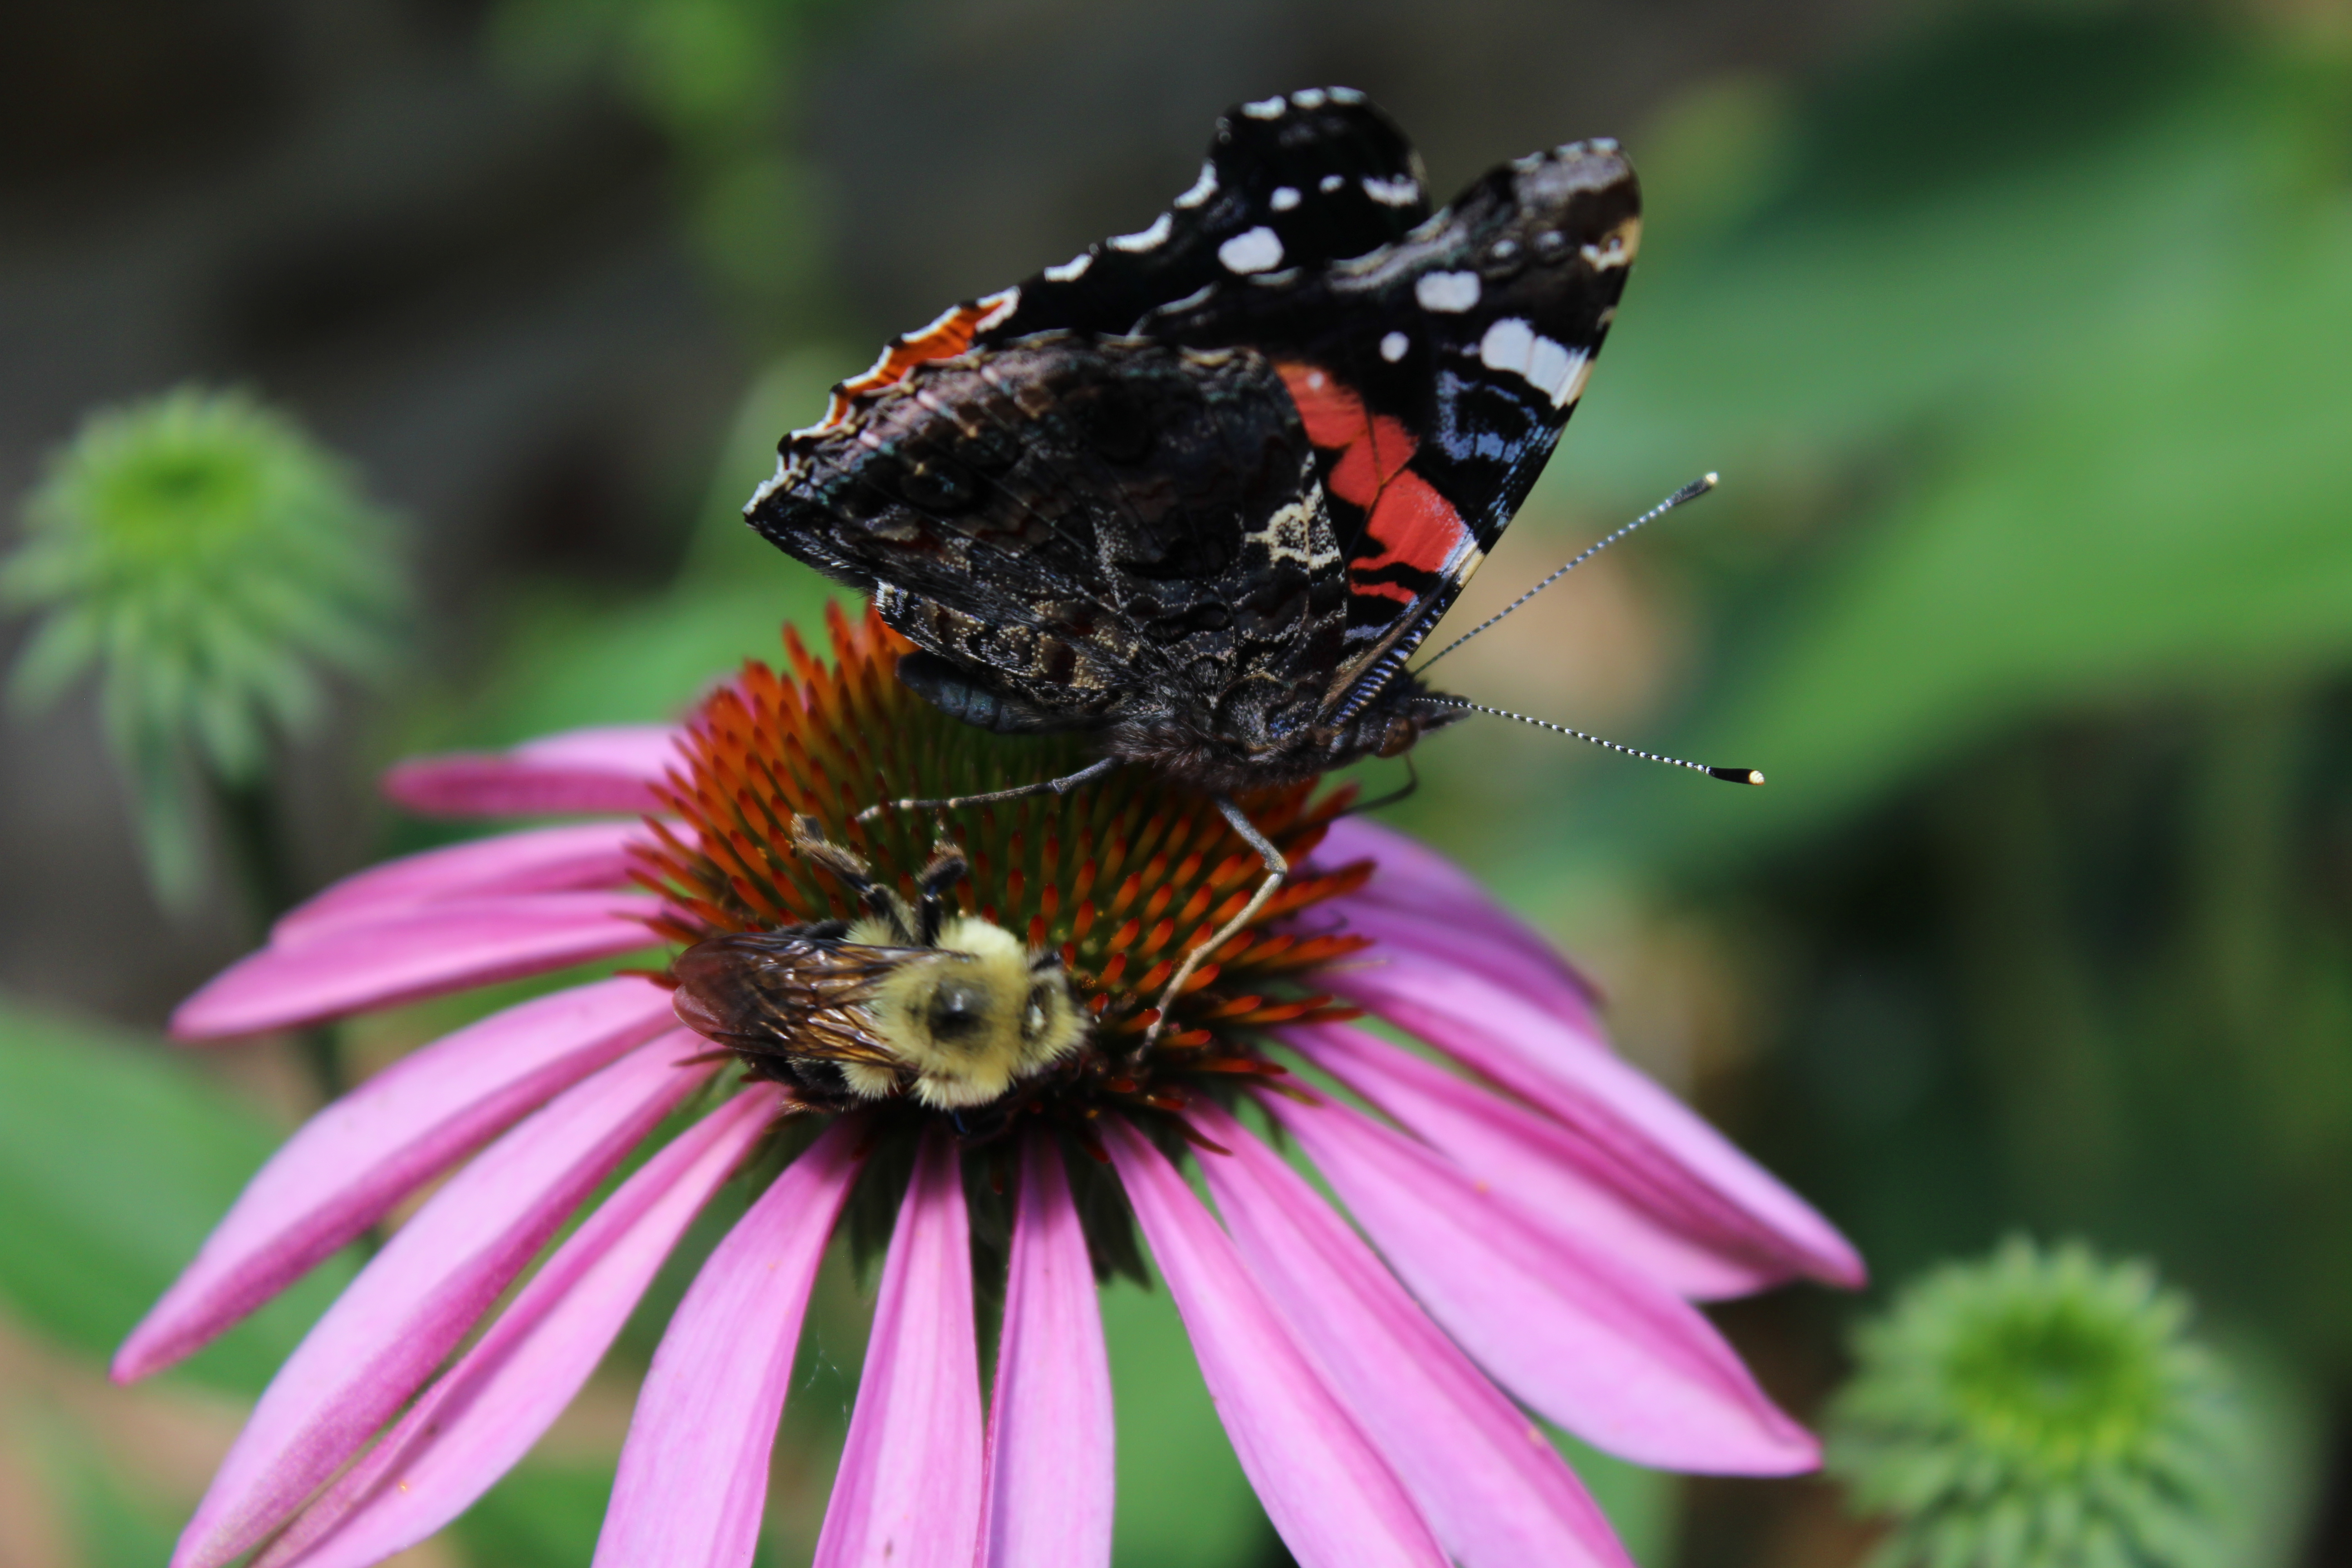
[[1062, 515]]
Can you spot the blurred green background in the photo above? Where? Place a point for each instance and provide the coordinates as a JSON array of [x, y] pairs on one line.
[[2022, 335]]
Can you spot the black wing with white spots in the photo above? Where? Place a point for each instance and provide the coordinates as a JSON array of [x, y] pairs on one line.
[[1289, 182]]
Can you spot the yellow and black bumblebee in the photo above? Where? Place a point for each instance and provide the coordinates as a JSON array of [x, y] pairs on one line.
[[950, 1010]]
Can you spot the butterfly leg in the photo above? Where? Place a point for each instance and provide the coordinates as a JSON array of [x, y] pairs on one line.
[[1277, 869], [1062, 785]]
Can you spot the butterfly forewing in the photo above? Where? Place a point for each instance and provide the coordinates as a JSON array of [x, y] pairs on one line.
[[1289, 182], [1434, 377]]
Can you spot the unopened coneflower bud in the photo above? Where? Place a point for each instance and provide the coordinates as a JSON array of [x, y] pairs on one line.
[[211, 560], [2039, 1409]]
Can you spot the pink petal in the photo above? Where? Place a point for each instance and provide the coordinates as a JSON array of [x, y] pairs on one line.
[[413, 1304], [1474, 940], [1579, 1337], [1685, 1165], [542, 860], [1551, 1175], [694, 1470], [406, 954], [353, 1160], [1417, 881], [1332, 1498], [1050, 1436], [471, 1425], [602, 770], [908, 1492], [1489, 1482]]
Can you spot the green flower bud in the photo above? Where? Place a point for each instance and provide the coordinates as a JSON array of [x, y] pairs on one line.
[[2039, 1410], [212, 561]]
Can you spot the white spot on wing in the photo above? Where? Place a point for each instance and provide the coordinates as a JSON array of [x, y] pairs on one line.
[[936, 323], [1508, 344], [1452, 292], [1266, 107], [1570, 390], [1400, 191], [1330, 183], [1345, 95], [1073, 270], [1392, 347], [1611, 252], [1000, 305], [1309, 98], [1290, 533], [1284, 197], [1554, 370], [768, 487], [1146, 238], [1253, 250], [1202, 189]]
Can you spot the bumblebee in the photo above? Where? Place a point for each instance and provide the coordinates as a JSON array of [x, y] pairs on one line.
[[951, 1009]]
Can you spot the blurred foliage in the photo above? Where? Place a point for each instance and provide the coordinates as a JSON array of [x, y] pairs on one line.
[[717, 79], [2028, 388], [153, 1152], [113, 1525]]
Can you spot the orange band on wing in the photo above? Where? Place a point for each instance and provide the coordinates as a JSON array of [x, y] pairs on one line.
[[949, 335]]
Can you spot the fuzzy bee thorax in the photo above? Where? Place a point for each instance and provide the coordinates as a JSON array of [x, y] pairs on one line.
[[972, 1013]]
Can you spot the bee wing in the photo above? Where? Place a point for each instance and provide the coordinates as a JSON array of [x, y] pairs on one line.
[[783, 993]]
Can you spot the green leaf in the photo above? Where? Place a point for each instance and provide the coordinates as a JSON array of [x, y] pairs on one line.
[[115, 1162], [1182, 1498], [1645, 1505], [539, 1516]]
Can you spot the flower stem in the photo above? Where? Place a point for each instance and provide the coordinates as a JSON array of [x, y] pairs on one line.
[[252, 819]]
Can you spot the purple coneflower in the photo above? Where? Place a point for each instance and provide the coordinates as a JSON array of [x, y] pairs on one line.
[[1532, 1217]]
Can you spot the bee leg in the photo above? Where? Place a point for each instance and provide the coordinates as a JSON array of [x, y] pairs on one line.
[[1277, 869], [947, 867], [810, 842], [1062, 785]]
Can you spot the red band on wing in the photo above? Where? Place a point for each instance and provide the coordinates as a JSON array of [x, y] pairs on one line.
[[1410, 523]]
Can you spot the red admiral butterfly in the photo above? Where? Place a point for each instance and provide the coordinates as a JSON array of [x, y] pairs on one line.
[[1203, 489]]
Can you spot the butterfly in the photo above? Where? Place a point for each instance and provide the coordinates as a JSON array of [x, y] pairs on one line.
[[1202, 490]]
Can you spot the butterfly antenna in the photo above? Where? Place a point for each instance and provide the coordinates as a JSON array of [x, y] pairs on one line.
[[1689, 492], [1729, 775]]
